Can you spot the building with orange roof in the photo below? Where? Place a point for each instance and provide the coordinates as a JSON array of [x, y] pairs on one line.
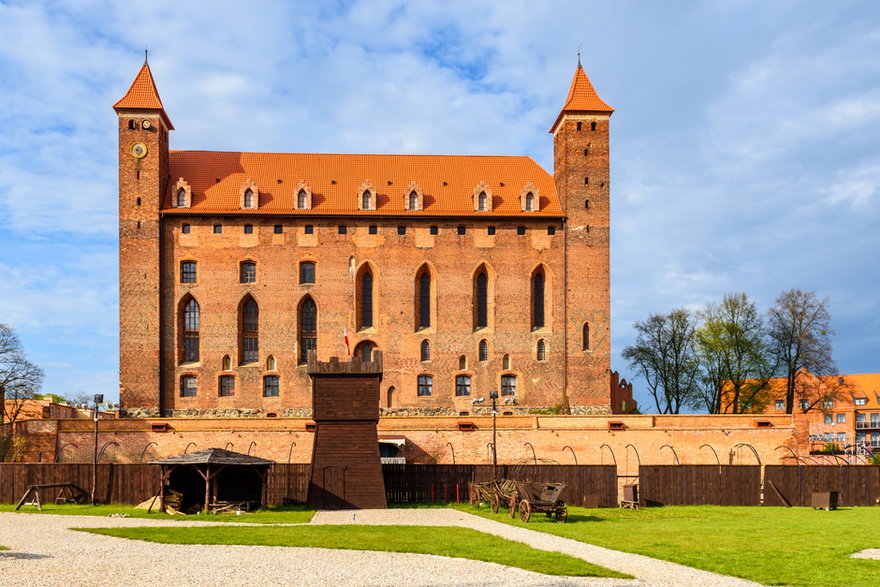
[[471, 273]]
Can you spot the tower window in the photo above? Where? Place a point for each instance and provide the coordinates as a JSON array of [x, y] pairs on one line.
[[490, 231], [248, 272], [434, 230], [425, 351], [227, 386], [482, 302], [138, 201], [462, 230], [308, 329], [191, 319], [271, 387], [401, 230], [538, 300], [227, 363], [551, 230], [579, 125], [185, 229], [426, 385], [424, 299], [586, 152], [278, 229], [187, 272], [586, 204], [592, 126], [586, 341], [373, 229], [541, 353], [250, 323], [520, 230], [366, 299], [462, 385], [307, 272], [343, 229], [505, 362], [508, 385], [484, 351], [188, 386], [309, 229], [248, 228], [218, 229], [586, 181]]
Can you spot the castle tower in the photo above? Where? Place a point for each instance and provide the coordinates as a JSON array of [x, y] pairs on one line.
[[143, 174], [581, 171]]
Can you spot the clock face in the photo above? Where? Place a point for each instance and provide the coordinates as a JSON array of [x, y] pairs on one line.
[[139, 150]]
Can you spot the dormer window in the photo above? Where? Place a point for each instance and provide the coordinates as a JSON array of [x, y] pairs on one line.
[[303, 196], [529, 198], [367, 196], [182, 194], [482, 198], [249, 196], [414, 199]]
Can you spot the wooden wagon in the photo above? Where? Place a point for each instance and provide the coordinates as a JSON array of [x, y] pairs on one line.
[[495, 493], [538, 497]]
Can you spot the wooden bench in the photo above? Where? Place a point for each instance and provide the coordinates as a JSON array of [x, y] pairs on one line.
[[67, 493], [220, 507]]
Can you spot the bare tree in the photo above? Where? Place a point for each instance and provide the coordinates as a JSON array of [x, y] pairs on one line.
[[665, 355], [735, 356], [20, 379], [800, 333]]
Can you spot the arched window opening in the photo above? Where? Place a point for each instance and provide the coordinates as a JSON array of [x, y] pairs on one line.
[[227, 386], [249, 198], [484, 350], [250, 326], [462, 363], [227, 363], [191, 321], [541, 353], [481, 318], [366, 200], [462, 385], [302, 200], [423, 299], [307, 272], [538, 300], [592, 126], [271, 386], [181, 198], [530, 202], [270, 363], [508, 385], [364, 351], [425, 385], [413, 200], [586, 336], [505, 362], [308, 329], [366, 299], [579, 125], [425, 351], [481, 202], [390, 397], [188, 386]]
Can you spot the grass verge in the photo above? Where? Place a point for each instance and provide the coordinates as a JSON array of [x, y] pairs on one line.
[[443, 541], [773, 546], [273, 515]]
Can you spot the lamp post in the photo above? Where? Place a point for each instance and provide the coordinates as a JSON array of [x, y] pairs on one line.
[[493, 395], [98, 399]]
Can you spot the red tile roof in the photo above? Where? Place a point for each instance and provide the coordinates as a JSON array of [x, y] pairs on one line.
[[143, 95], [582, 97], [447, 182]]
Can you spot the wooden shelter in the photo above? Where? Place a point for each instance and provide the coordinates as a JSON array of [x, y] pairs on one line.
[[216, 479]]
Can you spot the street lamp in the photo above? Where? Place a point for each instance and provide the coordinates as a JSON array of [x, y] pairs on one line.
[[98, 399], [493, 395]]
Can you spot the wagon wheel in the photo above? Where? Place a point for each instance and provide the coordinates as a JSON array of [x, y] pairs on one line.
[[525, 510], [513, 505], [561, 511], [495, 503]]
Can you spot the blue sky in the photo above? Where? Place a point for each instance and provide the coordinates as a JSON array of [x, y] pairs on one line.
[[745, 142]]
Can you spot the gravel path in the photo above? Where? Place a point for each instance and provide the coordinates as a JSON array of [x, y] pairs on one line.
[[44, 551]]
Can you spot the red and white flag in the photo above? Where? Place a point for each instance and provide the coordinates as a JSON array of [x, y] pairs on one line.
[[345, 340]]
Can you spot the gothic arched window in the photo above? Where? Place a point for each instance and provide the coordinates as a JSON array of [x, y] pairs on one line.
[[541, 353], [365, 298], [481, 202], [302, 200], [191, 321], [481, 301], [249, 198], [425, 351], [250, 327], [586, 336], [181, 198], [538, 299], [308, 328], [484, 350]]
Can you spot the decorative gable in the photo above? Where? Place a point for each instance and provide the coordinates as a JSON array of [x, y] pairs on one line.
[[367, 196], [303, 196], [182, 194], [529, 198], [413, 197], [249, 195], [482, 197]]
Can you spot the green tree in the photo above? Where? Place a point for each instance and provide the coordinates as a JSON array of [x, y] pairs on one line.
[[665, 355], [800, 334], [736, 359]]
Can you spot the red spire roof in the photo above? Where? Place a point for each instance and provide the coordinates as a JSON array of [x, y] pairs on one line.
[[582, 97], [143, 95]]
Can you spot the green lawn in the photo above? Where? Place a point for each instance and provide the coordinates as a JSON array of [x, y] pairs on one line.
[[773, 546], [273, 515], [443, 541]]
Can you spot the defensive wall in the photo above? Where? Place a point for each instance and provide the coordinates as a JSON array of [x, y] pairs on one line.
[[626, 440]]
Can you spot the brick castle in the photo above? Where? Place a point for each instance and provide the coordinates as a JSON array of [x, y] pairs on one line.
[[469, 273]]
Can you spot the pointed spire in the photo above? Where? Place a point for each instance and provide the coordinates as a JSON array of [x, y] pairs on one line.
[[143, 95], [582, 97]]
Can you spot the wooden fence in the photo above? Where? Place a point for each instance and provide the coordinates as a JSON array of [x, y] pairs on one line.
[[856, 485], [127, 484], [699, 485]]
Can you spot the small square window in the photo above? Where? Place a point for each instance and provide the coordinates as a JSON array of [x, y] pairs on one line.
[[551, 230], [343, 229], [462, 230], [490, 231], [520, 230], [374, 229], [185, 229], [218, 229], [279, 229], [249, 229], [841, 418], [434, 230], [426, 385], [780, 405], [309, 229], [861, 401], [270, 386], [829, 419], [227, 386], [188, 386], [828, 404], [805, 404], [401, 230]]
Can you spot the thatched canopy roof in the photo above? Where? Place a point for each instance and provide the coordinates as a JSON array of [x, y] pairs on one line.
[[214, 456]]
